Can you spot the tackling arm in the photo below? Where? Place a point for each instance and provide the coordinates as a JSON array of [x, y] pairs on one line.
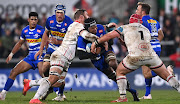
[[88, 36]]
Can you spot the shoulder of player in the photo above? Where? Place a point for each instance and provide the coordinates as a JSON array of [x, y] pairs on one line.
[[25, 29], [53, 17]]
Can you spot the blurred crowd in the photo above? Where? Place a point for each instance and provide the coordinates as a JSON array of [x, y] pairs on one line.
[[10, 31]]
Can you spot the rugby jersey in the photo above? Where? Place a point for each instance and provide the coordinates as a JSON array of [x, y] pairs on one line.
[[33, 37], [57, 30], [153, 26]]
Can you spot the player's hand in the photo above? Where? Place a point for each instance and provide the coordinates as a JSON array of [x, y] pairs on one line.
[[8, 59], [93, 48], [39, 53], [110, 25]]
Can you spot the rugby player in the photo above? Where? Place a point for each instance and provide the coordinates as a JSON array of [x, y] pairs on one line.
[[140, 54], [103, 61], [56, 27], [157, 35], [32, 34]]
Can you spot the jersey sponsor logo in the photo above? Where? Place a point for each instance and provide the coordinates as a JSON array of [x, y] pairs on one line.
[[26, 30], [151, 21], [39, 31], [143, 47], [100, 31], [65, 24], [52, 21], [56, 33], [33, 40]]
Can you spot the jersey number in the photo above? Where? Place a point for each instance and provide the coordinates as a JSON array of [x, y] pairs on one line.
[[142, 36]]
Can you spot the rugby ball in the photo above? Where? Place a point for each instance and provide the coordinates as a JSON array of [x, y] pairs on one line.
[[88, 47]]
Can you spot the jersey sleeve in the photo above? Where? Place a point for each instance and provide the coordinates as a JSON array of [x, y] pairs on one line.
[[120, 29], [81, 44]]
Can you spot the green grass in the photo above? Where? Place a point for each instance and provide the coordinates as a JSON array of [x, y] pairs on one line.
[[97, 97]]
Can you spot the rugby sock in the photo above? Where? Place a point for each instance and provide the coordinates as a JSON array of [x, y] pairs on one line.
[[122, 83], [153, 73], [173, 82], [61, 89], [36, 82], [43, 88], [148, 86], [8, 84], [56, 89]]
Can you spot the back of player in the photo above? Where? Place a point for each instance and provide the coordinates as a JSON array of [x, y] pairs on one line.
[[137, 39]]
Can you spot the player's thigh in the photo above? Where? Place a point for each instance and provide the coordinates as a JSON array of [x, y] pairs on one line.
[[146, 72], [45, 67], [162, 72], [121, 70], [21, 67], [40, 66]]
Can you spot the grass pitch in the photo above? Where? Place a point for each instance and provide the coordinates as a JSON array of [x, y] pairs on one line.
[[97, 97]]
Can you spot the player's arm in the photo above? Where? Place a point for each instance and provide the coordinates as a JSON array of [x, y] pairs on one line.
[[43, 43], [160, 35], [85, 55], [110, 25], [87, 35], [15, 49], [106, 37]]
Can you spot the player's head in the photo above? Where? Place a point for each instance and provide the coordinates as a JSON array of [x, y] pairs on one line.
[[80, 15], [33, 19], [143, 9], [60, 10], [135, 18], [90, 25]]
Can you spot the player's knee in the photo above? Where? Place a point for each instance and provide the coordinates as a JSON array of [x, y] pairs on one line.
[[147, 76]]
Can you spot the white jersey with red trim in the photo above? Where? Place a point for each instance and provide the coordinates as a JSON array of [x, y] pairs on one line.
[[137, 39], [68, 46]]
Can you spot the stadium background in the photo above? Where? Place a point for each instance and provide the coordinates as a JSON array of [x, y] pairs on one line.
[[82, 75]]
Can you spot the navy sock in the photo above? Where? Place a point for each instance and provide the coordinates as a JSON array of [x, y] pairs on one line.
[[148, 86], [132, 90], [153, 73], [61, 90], [8, 84], [55, 89]]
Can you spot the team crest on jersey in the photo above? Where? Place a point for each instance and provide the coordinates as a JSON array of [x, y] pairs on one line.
[[63, 30], [65, 24], [100, 31], [26, 30], [36, 35], [143, 47], [39, 31], [52, 21]]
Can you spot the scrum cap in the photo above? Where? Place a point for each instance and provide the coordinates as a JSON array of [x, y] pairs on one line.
[[61, 8], [89, 22], [135, 18]]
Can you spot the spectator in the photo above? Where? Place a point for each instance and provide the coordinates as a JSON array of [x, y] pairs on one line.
[[162, 18], [1, 49], [7, 42], [176, 57]]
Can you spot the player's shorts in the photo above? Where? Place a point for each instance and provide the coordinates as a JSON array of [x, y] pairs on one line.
[[59, 60], [101, 63], [49, 51], [30, 60], [134, 62]]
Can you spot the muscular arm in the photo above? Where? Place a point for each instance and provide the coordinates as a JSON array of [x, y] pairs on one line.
[[44, 39], [108, 36], [14, 50], [160, 35], [17, 46], [88, 36], [84, 55]]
